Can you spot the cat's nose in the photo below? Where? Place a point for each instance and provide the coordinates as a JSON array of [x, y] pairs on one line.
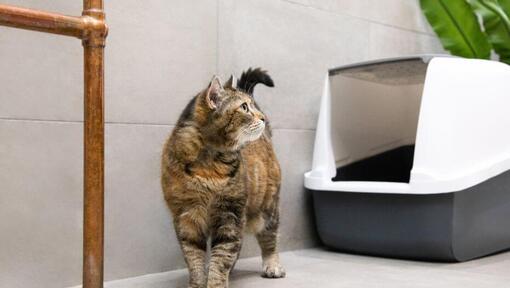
[[262, 119]]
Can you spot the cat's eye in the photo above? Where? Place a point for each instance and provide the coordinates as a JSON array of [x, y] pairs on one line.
[[244, 106]]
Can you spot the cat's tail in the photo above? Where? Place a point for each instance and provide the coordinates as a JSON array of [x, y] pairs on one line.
[[251, 77]]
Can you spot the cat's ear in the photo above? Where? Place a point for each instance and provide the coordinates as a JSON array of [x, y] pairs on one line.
[[231, 83], [212, 95]]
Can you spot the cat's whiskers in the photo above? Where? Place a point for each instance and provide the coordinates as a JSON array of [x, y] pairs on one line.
[[249, 133]]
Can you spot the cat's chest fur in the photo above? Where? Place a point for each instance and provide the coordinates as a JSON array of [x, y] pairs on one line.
[[216, 171]]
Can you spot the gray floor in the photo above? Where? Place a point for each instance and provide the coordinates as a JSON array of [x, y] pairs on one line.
[[318, 268]]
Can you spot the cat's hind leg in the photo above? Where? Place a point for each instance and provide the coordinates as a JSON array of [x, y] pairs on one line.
[[191, 231], [268, 242]]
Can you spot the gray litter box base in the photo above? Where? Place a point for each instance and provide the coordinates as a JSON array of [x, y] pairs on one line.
[[456, 226]]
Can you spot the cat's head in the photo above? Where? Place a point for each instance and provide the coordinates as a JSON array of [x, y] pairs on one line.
[[229, 117]]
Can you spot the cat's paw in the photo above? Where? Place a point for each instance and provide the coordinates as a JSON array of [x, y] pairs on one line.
[[273, 271]]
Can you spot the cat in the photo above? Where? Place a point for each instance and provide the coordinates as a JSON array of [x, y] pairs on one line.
[[220, 177]]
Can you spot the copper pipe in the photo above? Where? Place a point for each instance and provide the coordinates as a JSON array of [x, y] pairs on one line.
[[92, 4], [91, 28], [41, 21], [94, 168], [92, 21], [93, 217]]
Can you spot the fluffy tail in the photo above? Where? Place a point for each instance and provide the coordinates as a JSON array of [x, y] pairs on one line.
[[251, 77]]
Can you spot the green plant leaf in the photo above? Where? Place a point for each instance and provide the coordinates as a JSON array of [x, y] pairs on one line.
[[457, 27], [496, 24], [505, 5]]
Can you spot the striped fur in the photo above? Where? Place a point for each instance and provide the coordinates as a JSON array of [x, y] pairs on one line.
[[220, 177]]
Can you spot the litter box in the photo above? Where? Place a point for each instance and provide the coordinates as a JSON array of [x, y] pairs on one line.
[[411, 158]]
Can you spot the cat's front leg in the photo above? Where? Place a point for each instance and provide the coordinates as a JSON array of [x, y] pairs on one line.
[[191, 231], [226, 239]]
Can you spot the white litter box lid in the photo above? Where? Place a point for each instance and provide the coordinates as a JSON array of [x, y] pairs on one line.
[[463, 132]]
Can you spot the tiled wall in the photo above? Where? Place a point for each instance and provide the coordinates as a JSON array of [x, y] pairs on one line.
[[156, 59]]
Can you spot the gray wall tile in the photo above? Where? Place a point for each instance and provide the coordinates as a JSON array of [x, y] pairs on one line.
[[58, 6], [296, 44], [41, 76], [158, 57], [404, 14], [391, 42], [41, 203], [138, 230], [294, 149]]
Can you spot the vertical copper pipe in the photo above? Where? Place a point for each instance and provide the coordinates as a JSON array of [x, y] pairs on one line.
[[92, 4], [93, 217]]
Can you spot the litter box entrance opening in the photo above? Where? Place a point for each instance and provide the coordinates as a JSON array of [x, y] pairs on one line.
[[374, 118], [390, 166]]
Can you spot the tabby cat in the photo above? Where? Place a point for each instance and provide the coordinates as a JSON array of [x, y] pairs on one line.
[[220, 177]]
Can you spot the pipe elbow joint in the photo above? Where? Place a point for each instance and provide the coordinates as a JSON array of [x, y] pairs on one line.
[[95, 29]]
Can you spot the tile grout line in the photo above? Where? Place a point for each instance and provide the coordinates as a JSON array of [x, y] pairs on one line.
[[139, 123], [360, 18], [124, 123], [39, 120]]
